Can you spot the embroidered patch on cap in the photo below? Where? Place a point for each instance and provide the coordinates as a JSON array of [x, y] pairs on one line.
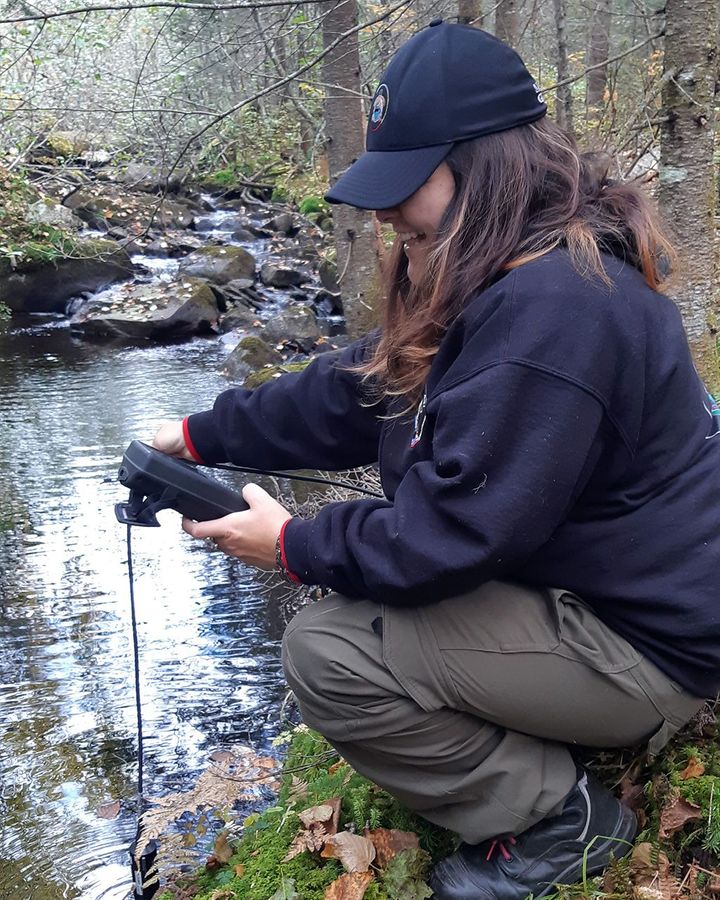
[[538, 91], [381, 102]]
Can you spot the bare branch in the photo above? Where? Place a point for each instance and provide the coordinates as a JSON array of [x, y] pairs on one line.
[[604, 62], [159, 4]]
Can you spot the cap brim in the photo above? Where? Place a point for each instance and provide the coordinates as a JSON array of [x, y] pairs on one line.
[[380, 179]]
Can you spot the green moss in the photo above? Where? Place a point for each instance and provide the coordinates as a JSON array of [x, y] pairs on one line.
[[312, 774], [255, 379], [23, 244], [60, 146]]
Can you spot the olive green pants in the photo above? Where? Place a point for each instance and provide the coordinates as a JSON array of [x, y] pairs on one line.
[[464, 709]]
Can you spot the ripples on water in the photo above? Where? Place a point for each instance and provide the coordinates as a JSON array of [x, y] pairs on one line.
[[209, 636]]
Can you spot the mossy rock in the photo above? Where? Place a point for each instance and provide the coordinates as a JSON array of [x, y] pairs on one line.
[[268, 373], [36, 285], [219, 265]]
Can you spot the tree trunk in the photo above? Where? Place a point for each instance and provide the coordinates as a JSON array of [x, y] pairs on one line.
[[470, 12], [598, 51], [688, 185], [507, 24], [355, 235], [564, 111]]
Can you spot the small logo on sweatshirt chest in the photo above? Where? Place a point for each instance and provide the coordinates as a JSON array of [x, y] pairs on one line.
[[419, 422]]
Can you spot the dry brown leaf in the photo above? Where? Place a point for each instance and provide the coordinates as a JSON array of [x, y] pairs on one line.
[[222, 851], [354, 851], [351, 886], [222, 756], [320, 822], [335, 766], [109, 810], [676, 814], [219, 787], [316, 815], [239, 870], [694, 769], [388, 842], [650, 874], [632, 795]]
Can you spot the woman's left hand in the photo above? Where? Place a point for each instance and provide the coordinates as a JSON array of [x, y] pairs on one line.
[[250, 535]]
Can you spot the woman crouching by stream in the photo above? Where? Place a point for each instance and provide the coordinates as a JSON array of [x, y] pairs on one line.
[[542, 572]]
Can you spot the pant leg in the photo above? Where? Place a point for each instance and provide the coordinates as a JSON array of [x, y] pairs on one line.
[[390, 694]]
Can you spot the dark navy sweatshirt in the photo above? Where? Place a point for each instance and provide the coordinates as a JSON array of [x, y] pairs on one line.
[[565, 440]]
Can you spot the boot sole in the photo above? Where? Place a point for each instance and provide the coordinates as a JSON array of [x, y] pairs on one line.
[[597, 857]]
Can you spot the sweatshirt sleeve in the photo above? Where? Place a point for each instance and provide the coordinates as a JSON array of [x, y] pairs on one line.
[[317, 418], [512, 448]]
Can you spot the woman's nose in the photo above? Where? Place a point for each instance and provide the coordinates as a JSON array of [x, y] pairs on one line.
[[385, 215]]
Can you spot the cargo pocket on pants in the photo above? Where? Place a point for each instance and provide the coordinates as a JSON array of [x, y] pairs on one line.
[[411, 653]]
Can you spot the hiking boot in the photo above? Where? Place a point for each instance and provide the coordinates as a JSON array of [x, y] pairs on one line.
[[592, 829]]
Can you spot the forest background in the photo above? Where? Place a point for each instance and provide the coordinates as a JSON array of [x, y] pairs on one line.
[[270, 99], [272, 96]]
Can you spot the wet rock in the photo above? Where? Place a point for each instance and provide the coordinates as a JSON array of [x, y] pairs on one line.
[[328, 276], [325, 303], [281, 276], [219, 264], [284, 223], [156, 311], [242, 234], [251, 354], [238, 317], [257, 230], [95, 158], [45, 212], [204, 223], [234, 291], [111, 205], [152, 180], [46, 287], [298, 325]]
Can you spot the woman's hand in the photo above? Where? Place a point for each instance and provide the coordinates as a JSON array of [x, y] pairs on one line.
[[170, 439], [250, 535]]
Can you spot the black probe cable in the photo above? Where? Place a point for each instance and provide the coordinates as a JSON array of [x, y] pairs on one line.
[[136, 666], [294, 476]]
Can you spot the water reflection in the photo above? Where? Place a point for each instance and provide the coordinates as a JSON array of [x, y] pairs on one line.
[[209, 638]]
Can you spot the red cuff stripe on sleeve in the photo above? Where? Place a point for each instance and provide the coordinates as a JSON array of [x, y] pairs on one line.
[[291, 575], [188, 441]]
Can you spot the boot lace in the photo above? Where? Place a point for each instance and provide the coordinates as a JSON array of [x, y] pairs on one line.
[[498, 845]]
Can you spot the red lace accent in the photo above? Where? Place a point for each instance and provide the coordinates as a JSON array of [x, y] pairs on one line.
[[499, 844]]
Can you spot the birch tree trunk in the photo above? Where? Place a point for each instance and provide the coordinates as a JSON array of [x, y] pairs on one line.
[[598, 51], [355, 235], [688, 183], [564, 110], [507, 25]]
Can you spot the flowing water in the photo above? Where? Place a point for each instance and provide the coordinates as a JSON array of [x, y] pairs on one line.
[[209, 634]]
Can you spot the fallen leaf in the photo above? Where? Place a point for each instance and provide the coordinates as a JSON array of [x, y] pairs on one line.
[[109, 810], [388, 842], [350, 886], [676, 815], [222, 756], [632, 795], [286, 891], [694, 769], [221, 853], [320, 822], [354, 851], [239, 870]]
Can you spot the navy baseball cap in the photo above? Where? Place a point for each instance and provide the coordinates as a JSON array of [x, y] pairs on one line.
[[448, 83]]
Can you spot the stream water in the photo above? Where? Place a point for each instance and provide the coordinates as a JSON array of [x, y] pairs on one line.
[[209, 633]]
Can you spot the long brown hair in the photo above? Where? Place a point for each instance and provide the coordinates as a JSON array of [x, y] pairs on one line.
[[519, 194]]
